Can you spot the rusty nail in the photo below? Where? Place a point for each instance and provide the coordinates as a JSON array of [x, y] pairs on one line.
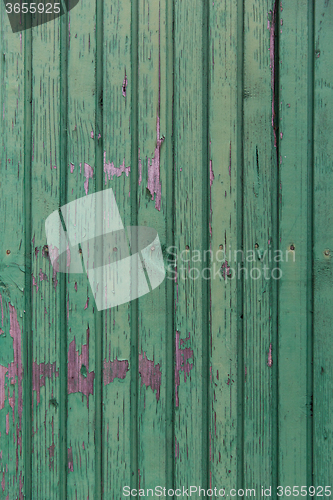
[[221, 247], [187, 247], [8, 252], [256, 245], [327, 253], [292, 247]]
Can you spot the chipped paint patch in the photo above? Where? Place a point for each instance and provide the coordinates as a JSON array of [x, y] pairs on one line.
[[111, 171], [114, 369], [70, 459], [76, 381], [150, 374], [154, 183], [88, 173], [270, 359], [183, 354]]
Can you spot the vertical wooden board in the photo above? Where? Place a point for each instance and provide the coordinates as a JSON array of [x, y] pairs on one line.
[[323, 243], [46, 306], [225, 137], [258, 195], [190, 416], [294, 229], [152, 200], [81, 181], [117, 170], [12, 264]]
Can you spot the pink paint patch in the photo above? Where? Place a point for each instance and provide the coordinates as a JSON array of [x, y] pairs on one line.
[[150, 374], [87, 304], [75, 286], [1, 331], [3, 482], [270, 359], [114, 369], [182, 362], [70, 459], [111, 171], [88, 173], [40, 372], [42, 276], [15, 369], [34, 283], [79, 378], [7, 424], [92, 134], [154, 184], [72, 167]]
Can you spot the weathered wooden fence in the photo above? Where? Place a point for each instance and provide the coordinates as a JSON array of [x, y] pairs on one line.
[[212, 122]]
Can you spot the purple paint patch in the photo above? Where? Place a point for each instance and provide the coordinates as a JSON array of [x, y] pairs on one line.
[[114, 369], [270, 360], [88, 173], [211, 173], [150, 374], [183, 354], [154, 184], [42, 276], [70, 459], [77, 382], [111, 171]]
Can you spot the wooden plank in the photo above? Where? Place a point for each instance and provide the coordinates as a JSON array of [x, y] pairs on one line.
[[81, 172], [225, 132], [323, 244], [295, 206], [191, 175], [46, 305], [152, 202], [15, 417], [259, 236], [118, 168]]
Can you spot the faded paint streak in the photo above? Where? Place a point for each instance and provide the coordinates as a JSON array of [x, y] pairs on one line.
[[114, 369], [183, 354], [76, 381], [150, 374], [111, 171], [154, 184], [15, 369]]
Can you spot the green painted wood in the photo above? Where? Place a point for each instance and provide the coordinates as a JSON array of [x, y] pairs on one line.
[[152, 205], [45, 297], [259, 236], [15, 421], [226, 101], [211, 123], [322, 243]]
